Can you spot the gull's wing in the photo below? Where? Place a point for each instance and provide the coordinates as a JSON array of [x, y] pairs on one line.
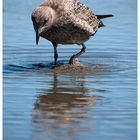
[[69, 22], [85, 14], [80, 15]]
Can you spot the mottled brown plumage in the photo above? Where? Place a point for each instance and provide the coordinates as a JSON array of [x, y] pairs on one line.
[[65, 22]]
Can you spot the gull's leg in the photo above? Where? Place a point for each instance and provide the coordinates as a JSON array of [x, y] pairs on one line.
[[55, 53], [78, 54]]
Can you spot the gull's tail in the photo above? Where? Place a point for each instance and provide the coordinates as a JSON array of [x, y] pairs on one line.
[[104, 16]]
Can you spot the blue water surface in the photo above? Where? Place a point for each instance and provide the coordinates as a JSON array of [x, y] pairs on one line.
[[41, 104]]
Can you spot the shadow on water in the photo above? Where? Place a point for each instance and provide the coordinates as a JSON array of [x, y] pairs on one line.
[[63, 110], [12, 68], [62, 68]]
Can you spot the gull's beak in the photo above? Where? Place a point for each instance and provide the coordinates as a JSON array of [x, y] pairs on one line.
[[37, 37]]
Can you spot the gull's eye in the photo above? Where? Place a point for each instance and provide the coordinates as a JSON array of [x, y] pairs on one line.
[[44, 22]]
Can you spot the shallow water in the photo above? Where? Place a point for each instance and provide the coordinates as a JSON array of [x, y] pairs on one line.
[[95, 102]]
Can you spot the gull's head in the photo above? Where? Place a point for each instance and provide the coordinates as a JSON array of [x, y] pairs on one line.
[[42, 18]]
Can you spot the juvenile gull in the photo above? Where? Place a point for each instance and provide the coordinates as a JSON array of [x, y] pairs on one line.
[[65, 22]]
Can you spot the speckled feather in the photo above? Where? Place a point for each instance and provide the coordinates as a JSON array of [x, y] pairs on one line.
[[65, 21]]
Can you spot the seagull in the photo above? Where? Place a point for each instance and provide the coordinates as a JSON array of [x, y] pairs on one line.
[[66, 22]]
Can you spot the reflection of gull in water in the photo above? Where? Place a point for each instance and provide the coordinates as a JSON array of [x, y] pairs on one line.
[[61, 107], [62, 111], [62, 115], [61, 98]]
